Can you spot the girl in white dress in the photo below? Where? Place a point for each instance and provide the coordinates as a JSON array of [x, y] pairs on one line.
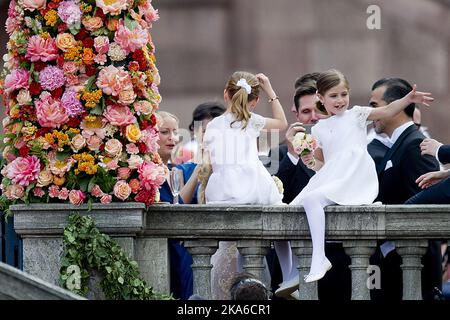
[[238, 176], [346, 173]]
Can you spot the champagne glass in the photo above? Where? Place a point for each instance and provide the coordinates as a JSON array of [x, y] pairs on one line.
[[175, 180]]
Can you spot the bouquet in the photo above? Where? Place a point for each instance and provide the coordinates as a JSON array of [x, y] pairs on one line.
[[279, 184], [81, 91], [305, 144]]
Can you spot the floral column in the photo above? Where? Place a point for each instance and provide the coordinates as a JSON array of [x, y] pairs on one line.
[[81, 91]]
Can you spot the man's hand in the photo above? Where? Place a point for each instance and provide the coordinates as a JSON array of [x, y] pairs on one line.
[[429, 146], [290, 134], [428, 179]]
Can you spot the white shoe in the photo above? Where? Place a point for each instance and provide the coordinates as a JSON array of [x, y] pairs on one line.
[[326, 265], [287, 287], [295, 295]]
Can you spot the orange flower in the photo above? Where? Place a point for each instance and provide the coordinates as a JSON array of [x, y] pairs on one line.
[[88, 56]]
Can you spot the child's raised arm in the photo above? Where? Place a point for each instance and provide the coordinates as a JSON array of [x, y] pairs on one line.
[[397, 106], [279, 119]]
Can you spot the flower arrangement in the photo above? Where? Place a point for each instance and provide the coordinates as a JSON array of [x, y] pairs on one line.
[[304, 144], [279, 184], [81, 91]]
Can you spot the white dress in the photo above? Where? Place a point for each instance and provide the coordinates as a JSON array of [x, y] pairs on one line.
[[238, 175], [348, 176]]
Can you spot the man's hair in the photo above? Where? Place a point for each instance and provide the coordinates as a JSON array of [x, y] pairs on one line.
[[245, 286], [305, 86], [304, 89], [309, 77], [396, 88]]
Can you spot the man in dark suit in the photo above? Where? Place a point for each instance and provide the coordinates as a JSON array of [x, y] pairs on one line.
[[436, 183], [397, 171]]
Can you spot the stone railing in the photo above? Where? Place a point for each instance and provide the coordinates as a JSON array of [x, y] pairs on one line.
[[144, 237], [17, 285]]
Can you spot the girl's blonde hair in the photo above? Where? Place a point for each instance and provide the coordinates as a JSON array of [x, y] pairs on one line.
[[327, 80], [239, 96]]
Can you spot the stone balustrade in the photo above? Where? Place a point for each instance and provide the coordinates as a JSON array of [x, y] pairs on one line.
[[144, 236]]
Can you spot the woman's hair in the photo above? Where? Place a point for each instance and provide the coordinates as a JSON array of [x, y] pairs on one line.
[[239, 96], [165, 114], [327, 80], [206, 110]]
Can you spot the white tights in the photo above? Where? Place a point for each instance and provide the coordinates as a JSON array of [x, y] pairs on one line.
[[314, 204], [284, 253]]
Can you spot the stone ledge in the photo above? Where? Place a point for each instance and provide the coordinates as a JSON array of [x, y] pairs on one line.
[[18, 285], [49, 219]]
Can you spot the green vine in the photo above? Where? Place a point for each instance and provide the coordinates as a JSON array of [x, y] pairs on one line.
[[88, 249]]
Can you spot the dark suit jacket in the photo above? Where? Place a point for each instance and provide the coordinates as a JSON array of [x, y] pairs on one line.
[[398, 183], [444, 154], [294, 177], [377, 150]]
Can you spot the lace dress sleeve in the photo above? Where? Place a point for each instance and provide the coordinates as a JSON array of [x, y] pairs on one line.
[[257, 123], [361, 114], [315, 134]]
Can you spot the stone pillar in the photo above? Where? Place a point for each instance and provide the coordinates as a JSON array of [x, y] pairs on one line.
[[411, 252], [201, 251], [152, 256], [254, 253], [360, 252], [303, 251]]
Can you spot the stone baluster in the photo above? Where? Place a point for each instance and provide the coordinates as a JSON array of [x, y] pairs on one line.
[[360, 252], [303, 250], [411, 252], [201, 251], [254, 253]]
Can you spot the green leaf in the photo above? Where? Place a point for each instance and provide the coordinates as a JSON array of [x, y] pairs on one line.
[[84, 182], [90, 82], [120, 280], [130, 23], [97, 110], [62, 156]]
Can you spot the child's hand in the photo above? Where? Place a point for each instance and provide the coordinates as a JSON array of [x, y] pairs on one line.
[[429, 146], [264, 83], [419, 97], [308, 160]]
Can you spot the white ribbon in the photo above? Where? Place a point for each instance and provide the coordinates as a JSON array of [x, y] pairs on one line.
[[243, 84]]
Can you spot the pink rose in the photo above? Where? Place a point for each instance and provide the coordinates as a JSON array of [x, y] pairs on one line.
[[113, 164], [132, 148], [135, 185], [41, 49], [135, 161], [122, 190], [50, 112], [123, 173], [17, 79], [113, 80], [32, 5], [101, 44], [23, 171], [107, 198], [131, 40], [151, 175], [113, 148], [70, 67], [113, 7], [53, 191], [63, 194], [14, 192], [119, 115], [97, 191], [76, 197], [94, 142], [38, 192]]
